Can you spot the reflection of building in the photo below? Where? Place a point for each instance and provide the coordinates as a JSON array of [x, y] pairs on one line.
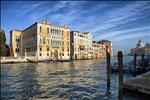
[[42, 40], [141, 48], [81, 45], [15, 43]]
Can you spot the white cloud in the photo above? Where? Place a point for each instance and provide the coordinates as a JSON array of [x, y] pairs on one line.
[[121, 32]]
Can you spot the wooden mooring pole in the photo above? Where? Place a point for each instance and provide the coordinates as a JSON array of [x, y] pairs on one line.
[[134, 70], [120, 64], [108, 70], [143, 67], [148, 58]]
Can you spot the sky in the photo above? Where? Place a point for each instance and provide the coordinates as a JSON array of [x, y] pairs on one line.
[[121, 22]]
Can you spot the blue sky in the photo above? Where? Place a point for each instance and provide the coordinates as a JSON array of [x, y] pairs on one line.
[[122, 22]]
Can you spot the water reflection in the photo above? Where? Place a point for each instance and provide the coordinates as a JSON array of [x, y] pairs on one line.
[[60, 80]]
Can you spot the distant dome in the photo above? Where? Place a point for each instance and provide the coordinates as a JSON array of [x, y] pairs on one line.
[[147, 45], [140, 44]]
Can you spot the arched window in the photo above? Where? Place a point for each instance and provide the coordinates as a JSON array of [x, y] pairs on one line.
[[47, 30], [40, 40], [47, 41], [68, 33], [40, 29], [51, 30], [62, 32], [44, 40], [18, 40]]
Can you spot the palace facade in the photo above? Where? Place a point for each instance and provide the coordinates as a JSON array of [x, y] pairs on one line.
[[42, 40]]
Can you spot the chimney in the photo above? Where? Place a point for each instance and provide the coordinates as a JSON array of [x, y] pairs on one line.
[[65, 25], [44, 21]]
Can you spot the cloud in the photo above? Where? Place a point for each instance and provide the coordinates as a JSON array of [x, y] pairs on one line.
[[113, 34], [117, 21], [31, 7], [125, 37], [120, 16]]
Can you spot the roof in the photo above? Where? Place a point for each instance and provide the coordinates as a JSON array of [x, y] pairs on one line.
[[30, 26], [49, 23], [81, 32], [103, 41], [86, 32], [36, 23], [15, 30]]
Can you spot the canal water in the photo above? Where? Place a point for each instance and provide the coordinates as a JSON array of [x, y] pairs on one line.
[[77, 80]]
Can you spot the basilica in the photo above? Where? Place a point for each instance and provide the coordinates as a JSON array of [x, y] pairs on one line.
[[141, 48]]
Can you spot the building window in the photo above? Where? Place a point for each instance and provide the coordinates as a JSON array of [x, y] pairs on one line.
[[68, 33], [40, 40], [62, 43], [18, 40], [17, 50], [40, 29], [51, 30], [47, 54], [68, 49], [40, 49], [48, 41], [40, 54], [47, 49], [62, 54], [62, 32], [47, 30], [68, 54], [44, 40]]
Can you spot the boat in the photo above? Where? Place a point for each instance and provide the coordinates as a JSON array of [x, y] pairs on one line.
[[114, 68], [129, 69], [32, 61]]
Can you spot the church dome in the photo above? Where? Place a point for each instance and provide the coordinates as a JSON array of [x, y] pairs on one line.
[[140, 44], [147, 45]]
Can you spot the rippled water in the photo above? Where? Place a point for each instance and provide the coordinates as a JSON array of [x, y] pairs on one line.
[[77, 80]]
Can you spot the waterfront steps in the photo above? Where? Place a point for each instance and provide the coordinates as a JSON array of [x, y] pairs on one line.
[[138, 86]]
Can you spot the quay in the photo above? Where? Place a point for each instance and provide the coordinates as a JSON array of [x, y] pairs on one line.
[[5, 60], [138, 86]]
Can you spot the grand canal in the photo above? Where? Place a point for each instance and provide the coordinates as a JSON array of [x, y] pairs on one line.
[[77, 80]]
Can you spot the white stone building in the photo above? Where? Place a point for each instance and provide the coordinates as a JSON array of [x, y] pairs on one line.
[[81, 45]]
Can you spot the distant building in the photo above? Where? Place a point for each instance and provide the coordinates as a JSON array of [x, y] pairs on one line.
[[7, 50], [81, 45], [141, 48], [103, 44], [15, 43], [96, 50]]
